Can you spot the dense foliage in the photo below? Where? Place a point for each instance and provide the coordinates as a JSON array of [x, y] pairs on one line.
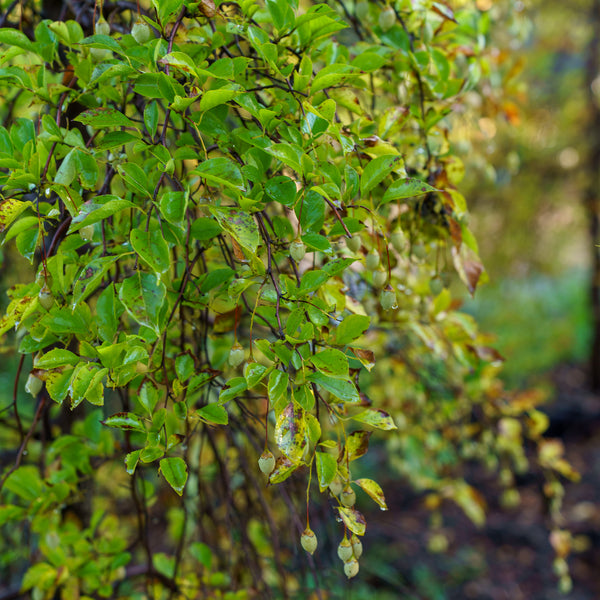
[[239, 222]]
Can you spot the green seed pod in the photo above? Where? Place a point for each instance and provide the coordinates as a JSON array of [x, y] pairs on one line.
[[372, 260], [266, 462], [419, 250], [297, 250], [398, 240], [309, 540], [336, 486], [141, 31], [436, 285], [379, 278], [388, 298], [34, 385], [344, 550], [354, 243], [99, 54], [43, 278], [387, 18], [45, 297], [351, 568], [357, 547], [348, 497], [362, 11], [237, 355], [102, 26]]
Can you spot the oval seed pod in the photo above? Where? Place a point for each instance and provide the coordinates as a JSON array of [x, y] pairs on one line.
[[388, 298], [344, 550], [266, 462], [141, 31], [45, 297], [102, 26], [379, 278], [387, 18], [237, 355], [351, 568], [297, 250], [309, 540], [348, 497], [354, 243], [357, 547], [372, 260], [336, 486], [34, 385]]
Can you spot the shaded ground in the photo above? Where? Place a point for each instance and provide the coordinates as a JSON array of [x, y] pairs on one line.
[[510, 557]]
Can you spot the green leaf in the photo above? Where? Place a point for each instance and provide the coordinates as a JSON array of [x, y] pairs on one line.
[[104, 117], [331, 362], [14, 37], [377, 170], [234, 388], [91, 276], [326, 469], [25, 482], [152, 248], [373, 489], [281, 189], [290, 432], [376, 418], [131, 461], [353, 520], [342, 389], [205, 228], [151, 118], [221, 172], [407, 188], [143, 298], [174, 470], [213, 413], [212, 98], [56, 358], [135, 177], [351, 328], [149, 397], [240, 225], [86, 384], [102, 208], [173, 205], [125, 420]]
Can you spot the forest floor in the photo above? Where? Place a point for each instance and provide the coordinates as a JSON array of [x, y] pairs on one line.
[[510, 557]]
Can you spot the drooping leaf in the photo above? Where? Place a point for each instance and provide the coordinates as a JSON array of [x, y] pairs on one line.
[[174, 470], [290, 432], [353, 520], [373, 489], [326, 469]]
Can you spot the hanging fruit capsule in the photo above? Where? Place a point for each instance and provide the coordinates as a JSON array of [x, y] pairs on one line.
[[34, 385], [348, 497], [45, 297], [237, 355], [351, 568], [309, 540], [387, 18], [102, 27], [357, 547], [344, 550], [379, 278], [297, 250], [372, 260], [266, 462], [388, 298], [141, 31], [354, 243]]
